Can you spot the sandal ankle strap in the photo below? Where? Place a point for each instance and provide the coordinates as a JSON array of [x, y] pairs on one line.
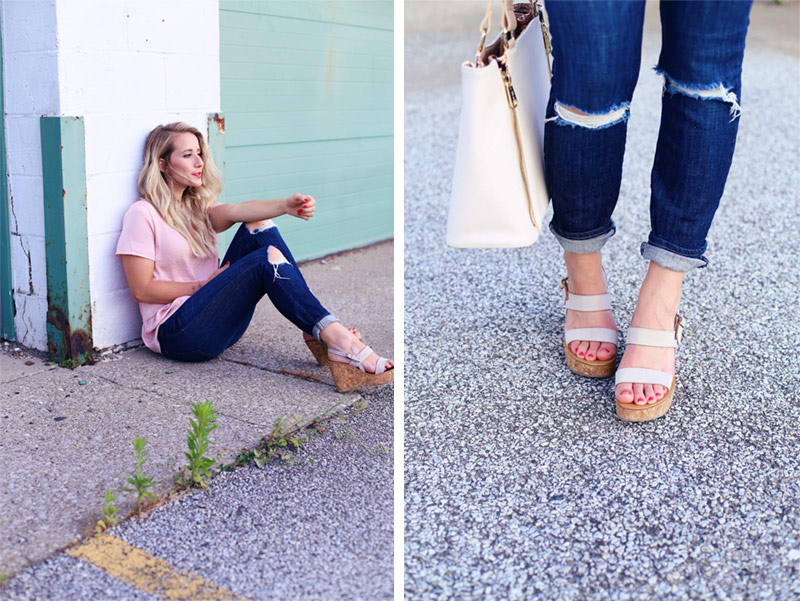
[[659, 338], [585, 302]]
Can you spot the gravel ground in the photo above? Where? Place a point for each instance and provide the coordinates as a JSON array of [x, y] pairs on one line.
[[321, 529], [520, 482]]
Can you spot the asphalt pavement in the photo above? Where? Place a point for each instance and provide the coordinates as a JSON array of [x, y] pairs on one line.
[[319, 529], [520, 481]]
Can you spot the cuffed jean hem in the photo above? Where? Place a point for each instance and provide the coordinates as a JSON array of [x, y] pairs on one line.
[[322, 324], [671, 260], [584, 246]]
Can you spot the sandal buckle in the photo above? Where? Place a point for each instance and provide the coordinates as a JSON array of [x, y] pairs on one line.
[[678, 328], [565, 286]]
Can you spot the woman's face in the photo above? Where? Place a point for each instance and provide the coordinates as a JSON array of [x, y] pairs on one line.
[[185, 164]]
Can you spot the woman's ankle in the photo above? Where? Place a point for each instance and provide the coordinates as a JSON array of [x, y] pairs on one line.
[[659, 298], [585, 272], [338, 337]]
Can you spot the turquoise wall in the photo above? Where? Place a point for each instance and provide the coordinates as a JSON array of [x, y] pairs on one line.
[[307, 96]]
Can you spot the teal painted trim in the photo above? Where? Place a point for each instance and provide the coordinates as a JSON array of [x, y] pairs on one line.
[[7, 328], [69, 310], [216, 142]]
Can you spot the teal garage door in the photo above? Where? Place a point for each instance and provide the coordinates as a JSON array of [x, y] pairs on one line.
[[307, 96]]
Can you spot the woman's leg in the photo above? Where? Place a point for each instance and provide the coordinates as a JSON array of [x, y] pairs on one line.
[[596, 57], [217, 315], [701, 61]]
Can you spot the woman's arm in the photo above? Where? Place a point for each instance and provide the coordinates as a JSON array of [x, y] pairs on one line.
[[224, 216], [139, 272]]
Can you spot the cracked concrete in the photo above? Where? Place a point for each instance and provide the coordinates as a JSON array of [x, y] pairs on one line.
[[65, 435]]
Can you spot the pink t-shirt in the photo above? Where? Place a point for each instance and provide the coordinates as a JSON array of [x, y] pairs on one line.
[[146, 234]]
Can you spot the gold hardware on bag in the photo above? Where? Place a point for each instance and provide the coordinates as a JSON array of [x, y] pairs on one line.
[[512, 104], [510, 94], [548, 48], [505, 39]]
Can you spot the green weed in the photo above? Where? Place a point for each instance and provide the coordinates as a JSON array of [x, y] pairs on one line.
[[198, 443], [141, 483], [109, 518]]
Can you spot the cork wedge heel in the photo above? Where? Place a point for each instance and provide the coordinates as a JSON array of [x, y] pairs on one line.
[[320, 349], [591, 302], [351, 375], [631, 412]]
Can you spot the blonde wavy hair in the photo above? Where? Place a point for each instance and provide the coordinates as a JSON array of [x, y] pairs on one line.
[[193, 224]]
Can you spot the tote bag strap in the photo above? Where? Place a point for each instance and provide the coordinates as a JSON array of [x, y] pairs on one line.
[[508, 22]]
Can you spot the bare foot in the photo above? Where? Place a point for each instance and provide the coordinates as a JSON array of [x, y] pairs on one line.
[[586, 276], [659, 299]]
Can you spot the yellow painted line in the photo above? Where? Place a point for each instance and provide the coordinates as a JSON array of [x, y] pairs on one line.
[[148, 573]]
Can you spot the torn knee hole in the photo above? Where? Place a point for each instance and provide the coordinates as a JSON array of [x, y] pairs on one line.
[[575, 117], [274, 255], [276, 259], [714, 91], [259, 226]]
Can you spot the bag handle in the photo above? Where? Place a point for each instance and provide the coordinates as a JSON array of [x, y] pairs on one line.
[[508, 21]]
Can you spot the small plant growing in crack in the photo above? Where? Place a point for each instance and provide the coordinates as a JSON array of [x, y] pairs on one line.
[[141, 484], [279, 445], [198, 442], [110, 510]]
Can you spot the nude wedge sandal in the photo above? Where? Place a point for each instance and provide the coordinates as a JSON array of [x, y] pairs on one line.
[[588, 302], [631, 412], [320, 349], [351, 375]]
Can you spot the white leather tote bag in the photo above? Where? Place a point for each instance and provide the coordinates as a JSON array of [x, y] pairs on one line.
[[498, 198]]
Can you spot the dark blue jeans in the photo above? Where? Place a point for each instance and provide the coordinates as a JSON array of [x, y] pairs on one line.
[[218, 314], [596, 59]]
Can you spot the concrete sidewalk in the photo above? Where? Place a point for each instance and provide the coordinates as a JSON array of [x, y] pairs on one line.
[[65, 435]]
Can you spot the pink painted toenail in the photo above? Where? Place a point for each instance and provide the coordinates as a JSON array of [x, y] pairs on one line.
[[650, 398], [580, 354], [590, 355]]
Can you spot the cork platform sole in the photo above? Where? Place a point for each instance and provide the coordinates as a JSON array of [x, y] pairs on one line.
[[631, 412], [589, 369], [347, 377]]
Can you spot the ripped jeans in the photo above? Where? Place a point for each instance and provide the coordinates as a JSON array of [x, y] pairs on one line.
[[218, 314], [596, 58]]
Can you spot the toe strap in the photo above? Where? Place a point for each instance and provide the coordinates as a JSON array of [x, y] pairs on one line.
[[640, 375], [592, 335], [380, 366]]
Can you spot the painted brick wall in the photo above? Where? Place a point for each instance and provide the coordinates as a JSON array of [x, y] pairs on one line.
[[125, 66], [30, 74]]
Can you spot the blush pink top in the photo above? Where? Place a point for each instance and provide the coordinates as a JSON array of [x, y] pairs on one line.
[[145, 234]]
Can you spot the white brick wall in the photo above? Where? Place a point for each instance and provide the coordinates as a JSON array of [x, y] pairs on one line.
[[30, 87], [124, 66]]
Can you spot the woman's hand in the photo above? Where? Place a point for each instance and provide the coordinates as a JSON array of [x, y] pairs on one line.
[[216, 272], [300, 205]]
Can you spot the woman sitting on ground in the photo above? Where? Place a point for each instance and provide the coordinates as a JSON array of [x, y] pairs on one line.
[[192, 310]]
